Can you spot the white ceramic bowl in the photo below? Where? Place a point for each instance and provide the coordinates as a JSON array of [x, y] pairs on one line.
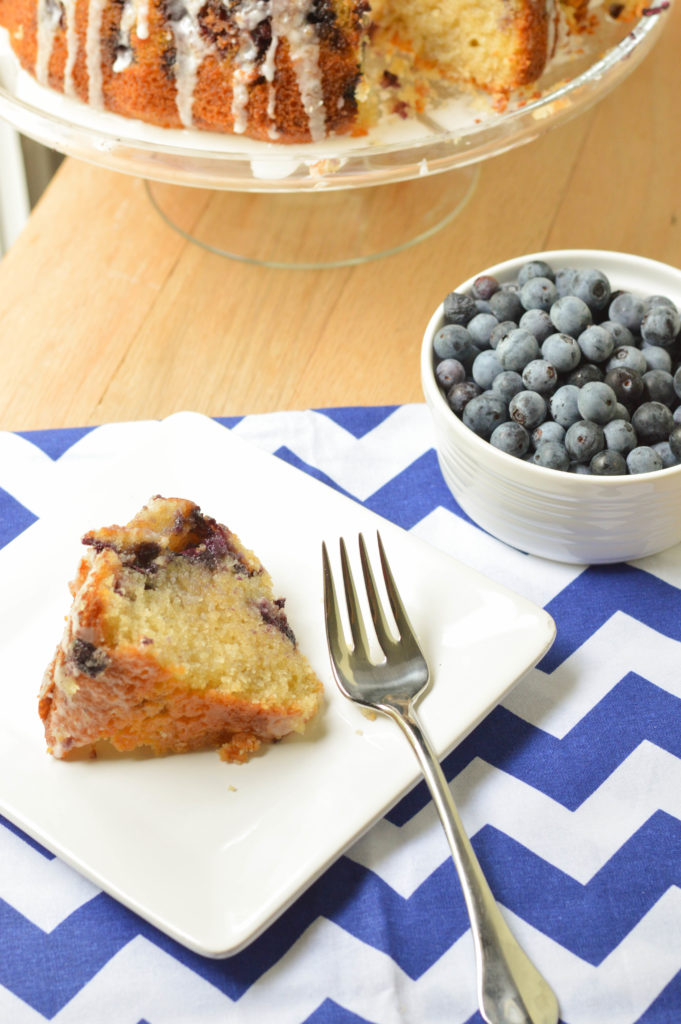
[[558, 515]]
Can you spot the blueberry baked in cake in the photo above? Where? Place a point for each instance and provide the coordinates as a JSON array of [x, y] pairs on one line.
[[286, 71], [174, 642]]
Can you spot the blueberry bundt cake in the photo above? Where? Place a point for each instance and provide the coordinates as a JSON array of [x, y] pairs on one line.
[[174, 642], [284, 70]]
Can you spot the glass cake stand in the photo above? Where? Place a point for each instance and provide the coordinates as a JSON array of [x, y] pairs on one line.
[[349, 189]]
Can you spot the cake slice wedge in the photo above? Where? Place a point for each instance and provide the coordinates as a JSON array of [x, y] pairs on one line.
[[174, 642]]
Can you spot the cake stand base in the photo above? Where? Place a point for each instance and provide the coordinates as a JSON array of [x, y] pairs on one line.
[[317, 229]]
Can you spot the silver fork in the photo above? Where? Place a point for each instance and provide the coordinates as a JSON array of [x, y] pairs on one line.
[[510, 988]]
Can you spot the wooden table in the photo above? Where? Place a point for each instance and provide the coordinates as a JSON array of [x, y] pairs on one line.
[[108, 314]]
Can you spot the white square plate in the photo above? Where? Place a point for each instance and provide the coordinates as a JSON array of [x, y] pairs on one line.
[[212, 853]]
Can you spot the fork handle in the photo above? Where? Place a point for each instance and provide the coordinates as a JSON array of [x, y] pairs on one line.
[[510, 988]]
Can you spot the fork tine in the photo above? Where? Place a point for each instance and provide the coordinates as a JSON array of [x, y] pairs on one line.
[[359, 637], [334, 628], [405, 629], [383, 633]]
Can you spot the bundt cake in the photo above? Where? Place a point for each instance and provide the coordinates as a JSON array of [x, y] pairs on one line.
[[283, 70], [174, 642]]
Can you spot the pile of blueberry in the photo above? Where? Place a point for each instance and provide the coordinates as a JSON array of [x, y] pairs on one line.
[[561, 370]]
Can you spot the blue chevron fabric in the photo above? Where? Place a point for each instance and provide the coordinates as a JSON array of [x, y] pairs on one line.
[[570, 790]]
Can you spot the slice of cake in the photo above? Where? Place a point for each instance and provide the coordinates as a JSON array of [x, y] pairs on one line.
[[175, 642]]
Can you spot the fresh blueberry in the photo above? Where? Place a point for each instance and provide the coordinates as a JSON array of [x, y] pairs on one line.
[[563, 405], [503, 328], [540, 376], [608, 463], [656, 357], [459, 395], [480, 328], [485, 412], [622, 413], [486, 366], [517, 349], [538, 293], [449, 372], [664, 450], [547, 431], [644, 459], [564, 277], [537, 322], [629, 356], [570, 315], [452, 342], [675, 442], [508, 383], [657, 300], [506, 305], [596, 343], [459, 308], [626, 308], [484, 287], [677, 381], [597, 402], [652, 422], [583, 439], [511, 437], [562, 351], [551, 455], [620, 436], [627, 385], [592, 287], [534, 268], [527, 408], [658, 386], [660, 325], [621, 335], [584, 373]]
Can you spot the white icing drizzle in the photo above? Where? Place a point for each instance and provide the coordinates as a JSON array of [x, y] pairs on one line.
[[267, 70], [71, 46], [190, 49], [287, 21], [135, 15], [48, 15], [247, 19], [142, 13], [93, 53], [128, 22]]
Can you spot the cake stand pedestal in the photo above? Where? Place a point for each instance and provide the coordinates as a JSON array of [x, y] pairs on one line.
[[317, 229]]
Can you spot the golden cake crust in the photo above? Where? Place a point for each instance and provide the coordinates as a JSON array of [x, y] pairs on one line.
[[143, 79]]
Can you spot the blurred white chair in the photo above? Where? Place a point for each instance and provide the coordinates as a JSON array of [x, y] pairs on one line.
[[14, 199], [26, 168]]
